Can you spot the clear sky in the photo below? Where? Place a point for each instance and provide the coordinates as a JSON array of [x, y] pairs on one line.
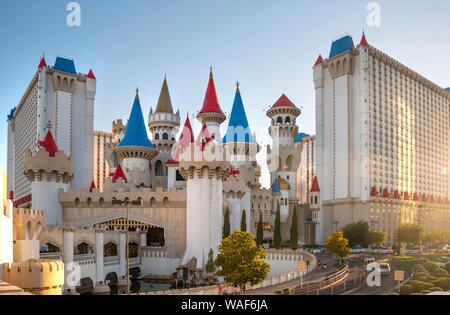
[[269, 46]]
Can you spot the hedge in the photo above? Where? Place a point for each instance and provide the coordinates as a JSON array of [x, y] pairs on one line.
[[406, 289], [430, 266], [436, 289], [443, 283], [440, 272], [419, 285]]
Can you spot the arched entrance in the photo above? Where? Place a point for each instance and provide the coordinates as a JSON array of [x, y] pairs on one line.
[[155, 237], [112, 280], [86, 287], [110, 249]]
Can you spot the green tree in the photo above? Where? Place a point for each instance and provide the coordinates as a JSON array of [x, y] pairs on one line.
[[260, 231], [210, 266], [409, 233], [358, 234], [226, 224], [338, 244], [277, 228], [294, 232], [244, 221], [241, 261]]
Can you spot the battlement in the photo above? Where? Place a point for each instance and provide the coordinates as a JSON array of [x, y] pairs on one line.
[[28, 223], [36, 276], [23, 212], [136, 197], [40, 166]]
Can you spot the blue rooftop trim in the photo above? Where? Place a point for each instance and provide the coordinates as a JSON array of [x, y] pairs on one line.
[[238, 130], [300, 136], [65, 65], [136, 133], [341, 45], [276, 186], [11, 114]]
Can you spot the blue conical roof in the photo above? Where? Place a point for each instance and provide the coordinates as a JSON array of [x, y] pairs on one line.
[[136, 133], [238, 129], [276, 186]]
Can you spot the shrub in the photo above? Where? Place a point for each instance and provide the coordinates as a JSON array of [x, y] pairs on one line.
[[422, 279], [416, 294], [421, 274], [431, 279], [406, 289], [443, 283], [419, 285], [419, 268], [425, 291], [436, 289], [440, 272]]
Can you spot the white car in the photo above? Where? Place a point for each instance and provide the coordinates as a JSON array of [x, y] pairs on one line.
[[414, 251], [385, 269], [358, 250], [367, 259], [384, 250]]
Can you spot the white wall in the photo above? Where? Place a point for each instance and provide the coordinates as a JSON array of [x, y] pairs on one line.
[[46, 197]]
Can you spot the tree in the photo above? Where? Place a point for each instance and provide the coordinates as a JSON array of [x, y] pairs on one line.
[[277, 228], [210, 266], [244, 221], [260, 231], [241, 261], [358, 234], [338, 244], [226, 224], [409, 233], [294, 232]]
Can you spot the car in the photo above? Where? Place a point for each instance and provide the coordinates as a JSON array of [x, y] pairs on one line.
[[358, 250], [384, 250], [414, 251], [385, 269], [367, 259]]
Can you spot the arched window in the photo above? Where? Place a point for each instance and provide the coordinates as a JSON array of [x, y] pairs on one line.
[[279, 120], [289, 164], [159, 168], [287, 120], [156, 136], [165, 136]]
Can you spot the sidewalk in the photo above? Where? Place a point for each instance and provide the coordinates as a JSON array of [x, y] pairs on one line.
[[313, 275]]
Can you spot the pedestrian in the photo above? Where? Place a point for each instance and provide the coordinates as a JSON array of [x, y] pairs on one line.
[[318, 264], [324, 265]]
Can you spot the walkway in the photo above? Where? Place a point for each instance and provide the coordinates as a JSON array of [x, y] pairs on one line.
[[313, 275]]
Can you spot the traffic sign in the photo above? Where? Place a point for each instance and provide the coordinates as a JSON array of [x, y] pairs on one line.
[[301, 267], [399, 275]]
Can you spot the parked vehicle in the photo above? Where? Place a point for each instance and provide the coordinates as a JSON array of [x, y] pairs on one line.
[[368, 259], [385, 269], [414, 251], [358, 250], [384, 250]]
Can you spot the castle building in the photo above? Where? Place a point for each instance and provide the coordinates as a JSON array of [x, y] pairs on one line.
[[61, 97], [382, 148]]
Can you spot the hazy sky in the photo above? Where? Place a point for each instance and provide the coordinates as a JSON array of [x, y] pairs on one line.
[[269, 46]]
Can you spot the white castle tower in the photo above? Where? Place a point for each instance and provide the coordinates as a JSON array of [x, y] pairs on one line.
[[164, 125], [49, 170], [241, 148], [204, 205], [6, 228], [211, 114], [284, 157], [135, 150]]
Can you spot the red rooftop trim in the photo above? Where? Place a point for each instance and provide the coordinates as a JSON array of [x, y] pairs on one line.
[[211, 102], [319, 61], [49, 144], [283, 101], [42, 63], [119, 173], [406, 195], [92, 187], [386, 193], [315, 185], [204, 137], [363, 42], [11, 195], [91, 75], [374, 192]]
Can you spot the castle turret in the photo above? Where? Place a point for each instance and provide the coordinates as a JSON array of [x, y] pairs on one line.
[[241, 148], [211, 114], [164, 125], [284, 156], [49, 170], [6, 228], [135, 150], [314, 199], [203, 166]]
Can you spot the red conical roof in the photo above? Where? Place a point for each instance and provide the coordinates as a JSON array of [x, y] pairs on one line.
[[386, 193], [204, 137], [315, 185], [283, 101], [119, 173], [211, 102], [318, 61], [91, 75], [92, 187], [186, 138], [363, 40], [406, 195], [49, 144], [374, 192], [42, 63]]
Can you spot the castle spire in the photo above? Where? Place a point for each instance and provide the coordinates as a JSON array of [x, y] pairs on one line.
[[42, 63], [164, 102], [211, 101], [319, 60], [49, 144], [363, 41]]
